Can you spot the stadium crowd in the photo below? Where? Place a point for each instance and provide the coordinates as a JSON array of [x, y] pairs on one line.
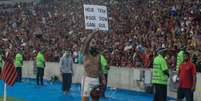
[[136, 29]]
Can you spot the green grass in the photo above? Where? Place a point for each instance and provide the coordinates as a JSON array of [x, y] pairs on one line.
[[11, 99]]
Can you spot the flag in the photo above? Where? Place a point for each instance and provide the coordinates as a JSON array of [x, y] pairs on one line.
[[9, 74]]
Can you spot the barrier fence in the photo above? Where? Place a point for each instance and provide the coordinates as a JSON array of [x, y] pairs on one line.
[[125, 78]]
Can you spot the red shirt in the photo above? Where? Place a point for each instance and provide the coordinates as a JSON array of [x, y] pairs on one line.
[[186, 73]]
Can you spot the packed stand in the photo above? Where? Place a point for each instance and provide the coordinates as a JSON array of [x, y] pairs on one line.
[[136, 29]]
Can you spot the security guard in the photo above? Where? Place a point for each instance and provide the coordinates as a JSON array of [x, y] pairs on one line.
[[1, 62], [160, 76], [18, 64], [180, 57], [105, 69], [40, 64]]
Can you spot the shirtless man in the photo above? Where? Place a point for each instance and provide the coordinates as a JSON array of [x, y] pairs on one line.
[[92, 68]]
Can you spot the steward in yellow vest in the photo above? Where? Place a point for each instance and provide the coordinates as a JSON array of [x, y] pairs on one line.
[[18, 64], [160, 75]]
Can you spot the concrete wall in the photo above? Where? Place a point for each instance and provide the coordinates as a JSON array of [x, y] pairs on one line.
[[126, 78], [198, 88]]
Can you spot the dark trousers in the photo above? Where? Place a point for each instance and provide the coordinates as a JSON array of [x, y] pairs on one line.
[[0, 73], [19, 74], [66, 81], [105, 86], [160, 92], [39, 76], [185, 93]]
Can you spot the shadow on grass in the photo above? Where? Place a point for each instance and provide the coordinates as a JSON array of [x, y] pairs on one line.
[[11, 99]]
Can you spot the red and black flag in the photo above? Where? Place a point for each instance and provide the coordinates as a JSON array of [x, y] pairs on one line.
[[9, 74]]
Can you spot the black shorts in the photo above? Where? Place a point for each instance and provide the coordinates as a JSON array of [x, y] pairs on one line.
[[185, 93]]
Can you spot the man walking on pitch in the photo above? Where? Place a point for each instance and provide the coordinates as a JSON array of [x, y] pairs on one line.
[[92, 68]]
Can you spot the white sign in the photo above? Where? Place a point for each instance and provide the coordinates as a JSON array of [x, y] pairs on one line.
[[95, 17]]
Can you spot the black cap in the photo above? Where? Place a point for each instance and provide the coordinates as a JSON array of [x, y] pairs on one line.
[[159, 50], [183, 47], [187, 53]]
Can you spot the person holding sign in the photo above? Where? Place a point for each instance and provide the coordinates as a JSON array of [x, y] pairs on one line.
[[92, 68]]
